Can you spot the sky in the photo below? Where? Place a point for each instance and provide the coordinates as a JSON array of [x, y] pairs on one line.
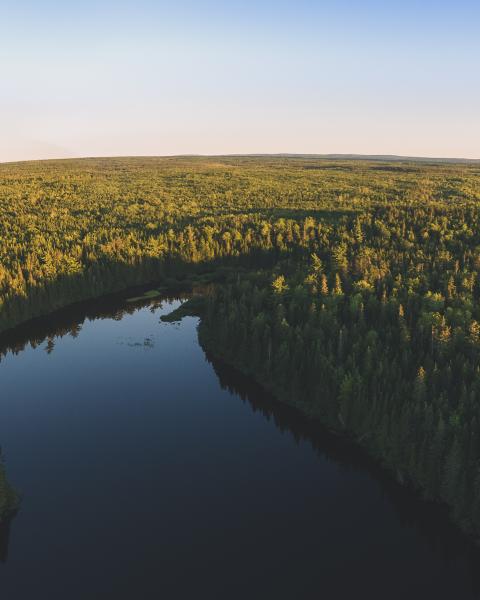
[[113, 78]]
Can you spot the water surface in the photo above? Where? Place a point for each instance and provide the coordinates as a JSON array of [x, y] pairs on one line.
[[149, 472]]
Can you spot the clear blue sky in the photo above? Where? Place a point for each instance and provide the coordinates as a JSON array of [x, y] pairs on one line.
[[123, 78]]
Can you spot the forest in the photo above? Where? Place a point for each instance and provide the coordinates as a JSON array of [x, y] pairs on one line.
[[348, 288]]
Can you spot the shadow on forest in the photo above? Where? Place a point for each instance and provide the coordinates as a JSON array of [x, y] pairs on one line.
[[274, 214], [74, 293], [115, 276]]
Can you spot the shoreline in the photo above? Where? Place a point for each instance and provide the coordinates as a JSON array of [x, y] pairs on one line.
[[80, 310], [393, 475]]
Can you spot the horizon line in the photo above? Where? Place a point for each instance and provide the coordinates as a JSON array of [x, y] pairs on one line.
[[307, 155]]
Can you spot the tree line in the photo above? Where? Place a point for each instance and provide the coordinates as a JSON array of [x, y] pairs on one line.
[[353, 290]]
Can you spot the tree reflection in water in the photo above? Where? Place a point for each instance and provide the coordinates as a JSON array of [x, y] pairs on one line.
[[429, 519]]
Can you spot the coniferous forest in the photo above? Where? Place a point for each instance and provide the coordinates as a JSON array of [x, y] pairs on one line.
[[348, 288]]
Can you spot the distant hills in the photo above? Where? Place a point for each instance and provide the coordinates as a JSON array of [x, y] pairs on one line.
[[377, 157]]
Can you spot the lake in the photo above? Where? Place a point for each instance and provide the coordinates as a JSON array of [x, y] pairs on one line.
[[148, 470]]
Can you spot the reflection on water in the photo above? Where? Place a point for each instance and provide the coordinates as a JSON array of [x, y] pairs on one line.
[[68, 321], [430, 519], [150, 469], [4, 539], [9, 503], [65, 322]]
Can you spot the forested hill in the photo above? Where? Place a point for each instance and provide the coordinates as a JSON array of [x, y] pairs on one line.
[[353, 289], [72, 229]]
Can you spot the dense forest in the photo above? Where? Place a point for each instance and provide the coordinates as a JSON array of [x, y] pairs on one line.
[[349, 288]]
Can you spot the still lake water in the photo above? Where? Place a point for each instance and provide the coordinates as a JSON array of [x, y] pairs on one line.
[[148, 471]]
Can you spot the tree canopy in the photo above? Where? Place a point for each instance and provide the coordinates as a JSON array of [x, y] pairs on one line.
[[353, 287]]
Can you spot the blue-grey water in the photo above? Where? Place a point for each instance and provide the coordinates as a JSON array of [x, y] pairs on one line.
[[148, 472]]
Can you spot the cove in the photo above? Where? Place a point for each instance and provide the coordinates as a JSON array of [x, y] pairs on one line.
[[148, 470]]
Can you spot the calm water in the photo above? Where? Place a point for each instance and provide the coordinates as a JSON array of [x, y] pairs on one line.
[[149, 472]]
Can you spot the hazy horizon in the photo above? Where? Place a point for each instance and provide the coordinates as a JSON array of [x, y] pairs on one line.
[[152, 79], [326, 156]]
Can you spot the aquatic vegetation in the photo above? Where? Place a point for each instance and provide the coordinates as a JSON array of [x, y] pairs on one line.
[[146, 296]]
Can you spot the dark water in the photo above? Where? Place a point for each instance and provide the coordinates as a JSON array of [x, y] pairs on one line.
[[149, 472]]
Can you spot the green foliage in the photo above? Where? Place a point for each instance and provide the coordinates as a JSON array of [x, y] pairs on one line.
[[373, 324], [279, 286]]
